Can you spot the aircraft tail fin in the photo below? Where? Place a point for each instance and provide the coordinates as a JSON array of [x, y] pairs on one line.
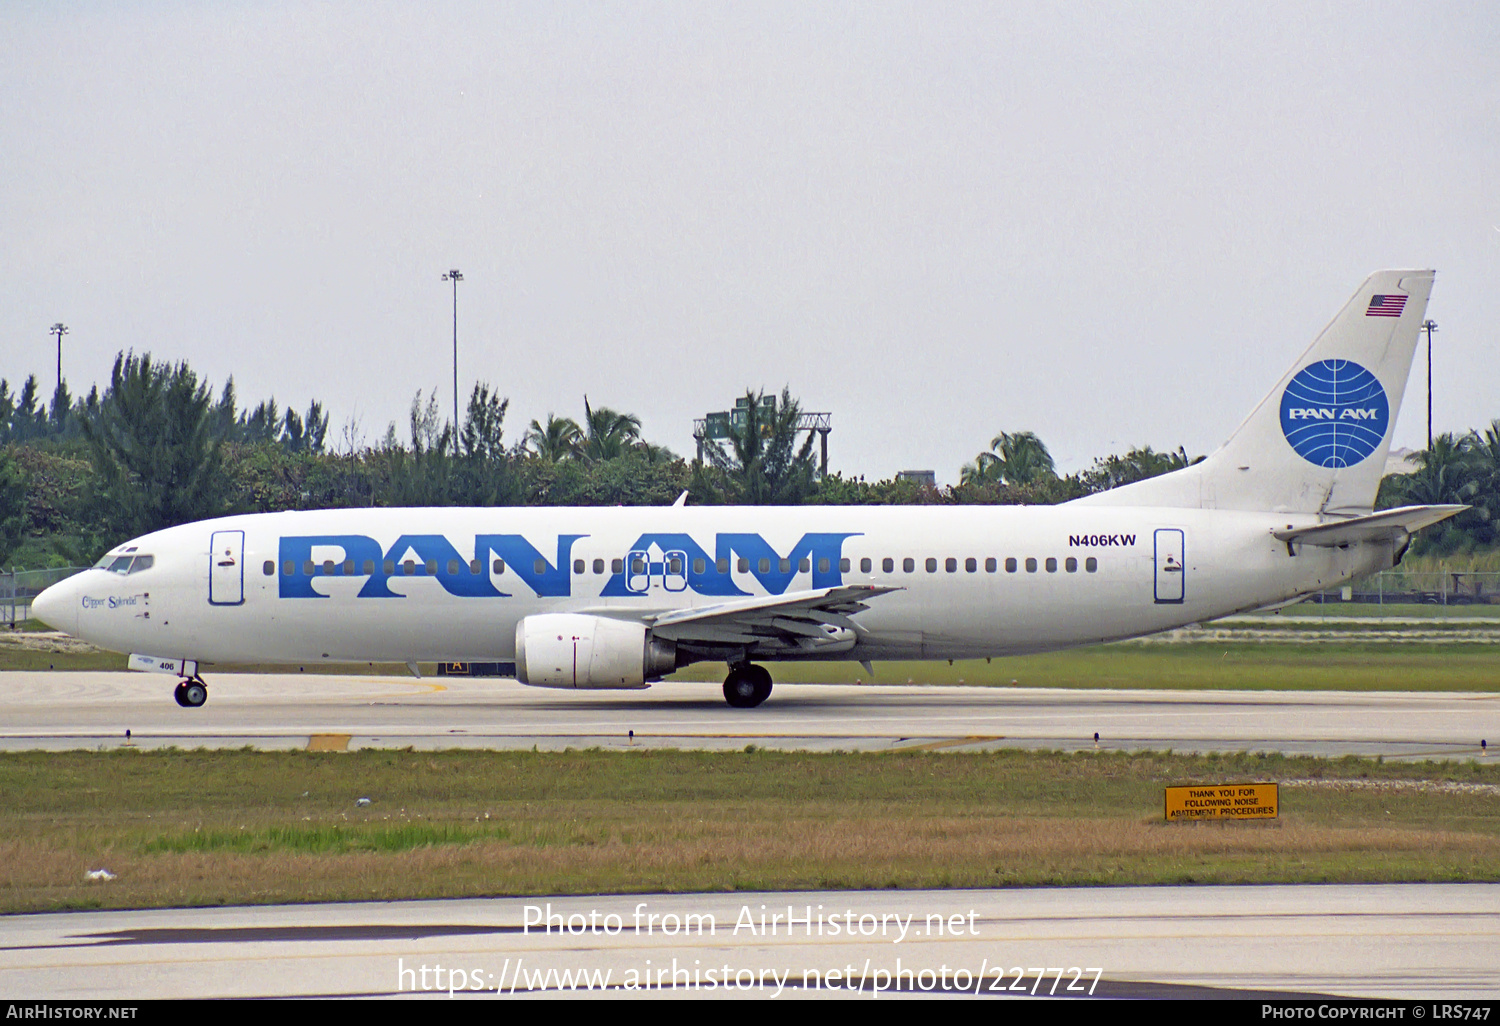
[[1318, 442]]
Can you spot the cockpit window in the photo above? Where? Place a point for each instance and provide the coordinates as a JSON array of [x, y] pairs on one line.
[[126, 564]]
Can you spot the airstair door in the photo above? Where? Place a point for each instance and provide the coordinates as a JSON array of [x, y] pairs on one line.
[[226, 568], [1170, 569]]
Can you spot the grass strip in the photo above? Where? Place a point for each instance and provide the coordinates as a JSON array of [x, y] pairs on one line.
[[209, 827]]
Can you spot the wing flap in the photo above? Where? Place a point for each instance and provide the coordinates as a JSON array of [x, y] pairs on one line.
[[803, 619]]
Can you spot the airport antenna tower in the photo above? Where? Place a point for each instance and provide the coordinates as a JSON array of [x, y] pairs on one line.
[[455, 276]]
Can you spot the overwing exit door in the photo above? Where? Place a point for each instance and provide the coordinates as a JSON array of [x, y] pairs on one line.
[[226, 568], [1171, 571]]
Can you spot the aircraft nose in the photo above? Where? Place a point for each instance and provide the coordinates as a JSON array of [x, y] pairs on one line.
[[57, 607]]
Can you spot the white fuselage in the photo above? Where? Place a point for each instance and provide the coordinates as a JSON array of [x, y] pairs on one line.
[[238, 589]]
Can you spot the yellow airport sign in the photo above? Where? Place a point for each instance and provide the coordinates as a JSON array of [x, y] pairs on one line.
[[1221, 801]]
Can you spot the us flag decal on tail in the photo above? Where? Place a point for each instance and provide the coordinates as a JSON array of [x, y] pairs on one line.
[[1386, 306]]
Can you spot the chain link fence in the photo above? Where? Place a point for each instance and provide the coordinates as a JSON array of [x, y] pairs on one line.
[[19, 587], [1441, 587]]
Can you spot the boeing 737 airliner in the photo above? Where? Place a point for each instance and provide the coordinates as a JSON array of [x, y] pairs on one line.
[[618, 598]]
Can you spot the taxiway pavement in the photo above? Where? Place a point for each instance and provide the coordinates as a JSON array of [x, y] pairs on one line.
[[1406, 941], [73, 710]]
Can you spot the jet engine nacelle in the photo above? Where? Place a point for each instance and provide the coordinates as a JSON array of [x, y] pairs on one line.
[[570, 650]]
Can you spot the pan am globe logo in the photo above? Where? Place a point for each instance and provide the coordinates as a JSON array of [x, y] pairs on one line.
[[1334, 413]]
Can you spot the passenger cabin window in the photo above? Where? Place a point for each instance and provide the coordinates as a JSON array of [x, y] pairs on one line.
[[888, 565], [844, 565], [722, 566], [1071, 566], [1031, 564], [989, 565], [908, 564], [865, 565], [1052, 564], [699, 565], [270, 567], [617, 566], [1091, 564], [931, 565], [598, 566], [971, 565], [1010, 565], [499, 566], [951, 565], [578, 566]]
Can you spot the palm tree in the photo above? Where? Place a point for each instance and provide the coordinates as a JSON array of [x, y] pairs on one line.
[[1017, 458], [608, 434], [1444, 473], [764, 465], [559, 440]]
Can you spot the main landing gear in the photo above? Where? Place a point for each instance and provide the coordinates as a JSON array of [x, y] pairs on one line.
[[747, 686], [191, 693]]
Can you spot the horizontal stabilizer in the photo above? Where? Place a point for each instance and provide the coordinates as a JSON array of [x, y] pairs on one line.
[[1386, 524]]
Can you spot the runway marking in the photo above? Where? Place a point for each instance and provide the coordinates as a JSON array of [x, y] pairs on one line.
[[328, 743], [933, 746]]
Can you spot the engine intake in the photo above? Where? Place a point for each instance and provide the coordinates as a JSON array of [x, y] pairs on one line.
[[571, 650]]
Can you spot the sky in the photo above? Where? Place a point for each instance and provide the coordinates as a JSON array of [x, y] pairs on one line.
[[1109, 224]]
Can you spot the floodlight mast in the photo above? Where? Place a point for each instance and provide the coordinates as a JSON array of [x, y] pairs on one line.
[[59, 329], [455, 276]]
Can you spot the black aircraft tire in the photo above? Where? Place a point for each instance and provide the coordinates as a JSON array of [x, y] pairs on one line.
[[762, 678], [179, 694], [194, 694], [739, 689], [747, 686]]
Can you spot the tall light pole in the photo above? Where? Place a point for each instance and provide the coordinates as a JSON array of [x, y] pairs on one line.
[[455, 277], [1429, 326], [59, 329]]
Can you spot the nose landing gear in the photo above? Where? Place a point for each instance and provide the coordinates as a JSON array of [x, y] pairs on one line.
[[191, 693], [747, 686]]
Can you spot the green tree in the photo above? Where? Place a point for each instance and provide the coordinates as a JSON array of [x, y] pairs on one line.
[[1136, 465], [559, 440], [155, 462], [607, 434], [13, 490], [1015, 458], [484, 474], [760, 463]]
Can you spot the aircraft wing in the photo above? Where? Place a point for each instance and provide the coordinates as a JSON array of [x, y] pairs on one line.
[[1385, 524], [818, 620]]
